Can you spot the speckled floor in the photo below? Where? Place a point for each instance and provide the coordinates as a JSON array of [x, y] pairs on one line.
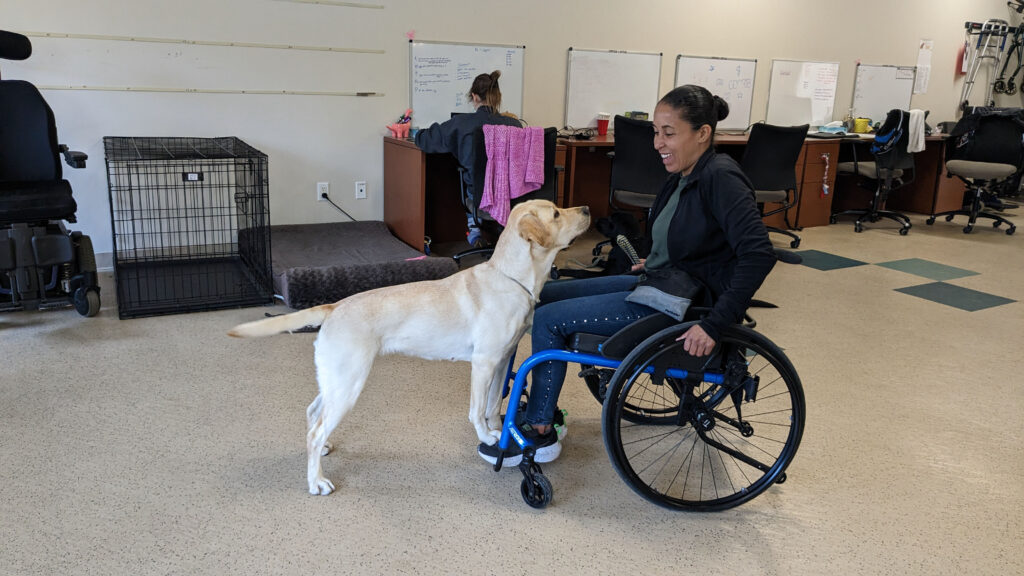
[[161, 446]]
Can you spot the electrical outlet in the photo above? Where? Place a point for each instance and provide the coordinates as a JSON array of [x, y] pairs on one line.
[[322, 189], [360, 190]]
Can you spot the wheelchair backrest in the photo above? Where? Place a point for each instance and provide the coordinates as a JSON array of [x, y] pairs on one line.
[[28, 135]]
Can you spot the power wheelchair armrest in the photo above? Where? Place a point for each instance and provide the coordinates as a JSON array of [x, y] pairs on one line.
[[73, 158]]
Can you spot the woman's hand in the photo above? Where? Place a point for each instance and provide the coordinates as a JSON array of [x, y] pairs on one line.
[[697, 341], [638, 267]]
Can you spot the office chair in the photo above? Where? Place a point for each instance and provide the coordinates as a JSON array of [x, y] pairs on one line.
[[770, 162], [42, 265], [638, 173], [892, 168], [984, 149], [490, 229]]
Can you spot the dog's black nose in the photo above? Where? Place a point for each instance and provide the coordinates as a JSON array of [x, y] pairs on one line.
[[586, 210]]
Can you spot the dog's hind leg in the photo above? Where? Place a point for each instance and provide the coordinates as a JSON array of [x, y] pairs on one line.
[[313, 415], [339, 389]]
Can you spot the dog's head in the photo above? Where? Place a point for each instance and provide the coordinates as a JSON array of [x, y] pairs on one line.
[[547, 226]]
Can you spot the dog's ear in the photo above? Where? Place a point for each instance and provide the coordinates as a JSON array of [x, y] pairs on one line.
[[533, 230]]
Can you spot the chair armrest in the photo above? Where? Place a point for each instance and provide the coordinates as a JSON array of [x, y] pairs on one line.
[[73, 158]]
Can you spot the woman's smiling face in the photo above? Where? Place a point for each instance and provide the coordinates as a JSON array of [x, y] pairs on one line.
[[679, 144]]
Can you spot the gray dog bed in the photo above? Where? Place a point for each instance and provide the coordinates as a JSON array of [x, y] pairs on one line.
[[322, 263]]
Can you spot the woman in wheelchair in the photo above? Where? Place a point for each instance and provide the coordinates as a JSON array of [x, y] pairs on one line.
[[705, 243]]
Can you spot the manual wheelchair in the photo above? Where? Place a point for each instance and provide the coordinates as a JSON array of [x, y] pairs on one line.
[[686, 433]]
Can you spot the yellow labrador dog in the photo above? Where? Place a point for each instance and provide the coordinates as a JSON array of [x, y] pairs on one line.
[[477, 315]]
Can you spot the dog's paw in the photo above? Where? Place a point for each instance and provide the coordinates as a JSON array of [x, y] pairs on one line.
[[491, 437], [326, 449], [321, 487]]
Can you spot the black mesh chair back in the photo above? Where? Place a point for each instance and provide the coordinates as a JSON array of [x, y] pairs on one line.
[[488, 226], [890, 147], [638, 173], [769, 161]]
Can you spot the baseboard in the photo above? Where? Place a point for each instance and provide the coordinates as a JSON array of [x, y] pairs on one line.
[[104, 261]]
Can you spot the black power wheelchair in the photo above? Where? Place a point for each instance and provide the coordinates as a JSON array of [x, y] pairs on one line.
[[686, 433], [42, 265]]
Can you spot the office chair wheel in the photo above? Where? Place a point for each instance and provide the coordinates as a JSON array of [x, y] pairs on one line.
[[87, 301], [795, 243], [857, 227], [536, 490], [996, 224], [1011, 230], [832, 220], [904, 231], [930, 220], [968, 228], [729, 441], [949, 217]]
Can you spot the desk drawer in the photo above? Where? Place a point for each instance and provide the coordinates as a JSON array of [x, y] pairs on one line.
[[815, 209]]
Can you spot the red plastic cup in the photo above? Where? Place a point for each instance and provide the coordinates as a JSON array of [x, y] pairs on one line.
[[602, 126]]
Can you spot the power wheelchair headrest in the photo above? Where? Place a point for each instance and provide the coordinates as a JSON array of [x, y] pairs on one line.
[[14, 46]]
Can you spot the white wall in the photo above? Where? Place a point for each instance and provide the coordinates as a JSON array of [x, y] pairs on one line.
[[337, 138]]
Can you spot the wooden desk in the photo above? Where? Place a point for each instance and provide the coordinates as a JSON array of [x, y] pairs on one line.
[[930, 192], [421, 194], [588, 172]]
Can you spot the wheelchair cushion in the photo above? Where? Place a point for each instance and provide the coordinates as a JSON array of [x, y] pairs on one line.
[[36, 201]]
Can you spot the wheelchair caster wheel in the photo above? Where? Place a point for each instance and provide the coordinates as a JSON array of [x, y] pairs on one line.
[[968, 228], [536, 490], [930, 221], [87, 302], [795, 243], [903, 231]]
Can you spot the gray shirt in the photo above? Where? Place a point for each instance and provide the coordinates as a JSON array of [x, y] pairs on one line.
[[658, 258]]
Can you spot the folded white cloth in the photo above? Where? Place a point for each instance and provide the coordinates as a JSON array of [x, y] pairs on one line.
[[916, 128]]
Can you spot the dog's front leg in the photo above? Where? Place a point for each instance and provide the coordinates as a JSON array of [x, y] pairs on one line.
[[494, 396], [483, 374]]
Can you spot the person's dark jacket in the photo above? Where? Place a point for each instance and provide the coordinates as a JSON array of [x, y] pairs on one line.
[[717, 237], [456, 137]]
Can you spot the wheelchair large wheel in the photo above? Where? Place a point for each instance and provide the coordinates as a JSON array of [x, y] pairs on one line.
[[715, 446], [639, 410]]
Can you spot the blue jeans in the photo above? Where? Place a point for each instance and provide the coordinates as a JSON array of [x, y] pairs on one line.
[[592, 305]]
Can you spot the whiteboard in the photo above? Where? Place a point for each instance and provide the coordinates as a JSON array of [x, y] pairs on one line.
[[610, 81], [441, 75], [878, 89], [802, 92], [731, 79]]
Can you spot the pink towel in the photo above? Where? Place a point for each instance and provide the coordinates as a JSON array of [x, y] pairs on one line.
[[515, 166]]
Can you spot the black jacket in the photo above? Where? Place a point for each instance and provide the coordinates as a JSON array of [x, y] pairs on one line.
[[717, 237], [456, 137]]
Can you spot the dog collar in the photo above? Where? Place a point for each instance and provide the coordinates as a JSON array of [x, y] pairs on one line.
[[528, 291]]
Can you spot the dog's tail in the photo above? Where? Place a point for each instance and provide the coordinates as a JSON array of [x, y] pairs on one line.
[[285, 323]]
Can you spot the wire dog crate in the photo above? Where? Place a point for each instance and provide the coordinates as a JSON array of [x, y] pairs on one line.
[[191, 224]]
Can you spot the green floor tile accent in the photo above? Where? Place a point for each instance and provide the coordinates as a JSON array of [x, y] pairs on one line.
[[928, 269], [824, 261], [955, 296]]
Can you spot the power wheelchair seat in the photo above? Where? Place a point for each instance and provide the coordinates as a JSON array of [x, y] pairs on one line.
[[42, 265], [686, 433]]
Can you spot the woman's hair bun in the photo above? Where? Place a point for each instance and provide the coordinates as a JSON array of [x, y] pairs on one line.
[[496, 74], [723, 108]]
